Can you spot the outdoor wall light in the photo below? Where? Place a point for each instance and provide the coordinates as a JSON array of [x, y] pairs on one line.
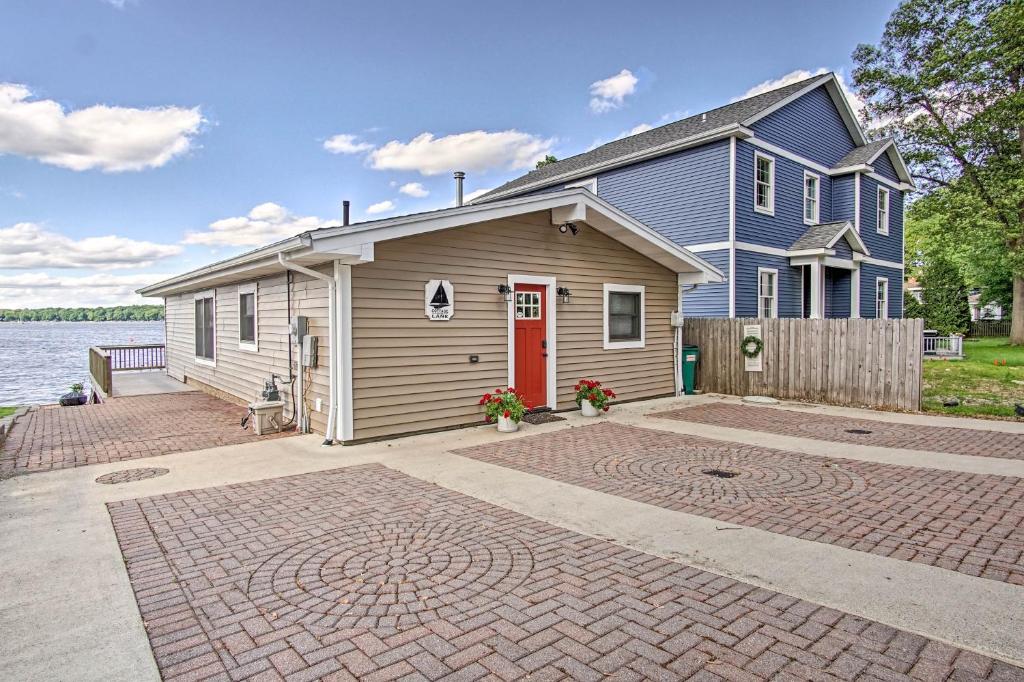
[[568, 227], [564, 294], [505, 291]]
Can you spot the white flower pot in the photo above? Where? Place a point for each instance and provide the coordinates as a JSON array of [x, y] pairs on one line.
[[588, 409], [506, 425]]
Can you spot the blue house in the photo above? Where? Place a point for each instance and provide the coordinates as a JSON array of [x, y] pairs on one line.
[[783, 191]]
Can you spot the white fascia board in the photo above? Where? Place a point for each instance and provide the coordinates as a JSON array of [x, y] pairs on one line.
[[897, 161], [846, 170], [642, 155], [816, 253]]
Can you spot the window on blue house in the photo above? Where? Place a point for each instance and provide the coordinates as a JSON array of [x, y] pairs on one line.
[[767, 293], [883, 211], [764, 184], [811, 203], [881, 298]]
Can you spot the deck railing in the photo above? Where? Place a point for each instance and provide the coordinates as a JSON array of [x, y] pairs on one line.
[[105, 360], [944, 346], [99, 370]]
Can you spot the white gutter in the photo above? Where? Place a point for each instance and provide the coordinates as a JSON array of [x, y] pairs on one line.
[[332, 341]]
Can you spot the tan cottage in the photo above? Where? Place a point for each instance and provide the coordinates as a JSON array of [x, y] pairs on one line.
[[416, 317]]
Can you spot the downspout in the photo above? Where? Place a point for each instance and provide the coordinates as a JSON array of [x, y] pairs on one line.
[[331, 321]]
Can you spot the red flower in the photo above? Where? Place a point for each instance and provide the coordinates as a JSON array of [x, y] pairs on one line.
[[576, 387], [498, 391], [507, 414], [487, 417], [605, 408]]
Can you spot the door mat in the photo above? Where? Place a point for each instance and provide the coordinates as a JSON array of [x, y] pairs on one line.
[[542, 418]]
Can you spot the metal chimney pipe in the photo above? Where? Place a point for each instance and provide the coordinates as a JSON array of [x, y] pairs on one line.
[[459, 177], [344, 211]]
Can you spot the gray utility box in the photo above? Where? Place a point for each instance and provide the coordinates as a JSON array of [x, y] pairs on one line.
[[267, 416]]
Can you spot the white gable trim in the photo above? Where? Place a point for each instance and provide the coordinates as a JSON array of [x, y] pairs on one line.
[[838, 98], [852, 237]]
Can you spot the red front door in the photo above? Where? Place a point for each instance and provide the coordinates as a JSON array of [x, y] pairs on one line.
[[531, 350]]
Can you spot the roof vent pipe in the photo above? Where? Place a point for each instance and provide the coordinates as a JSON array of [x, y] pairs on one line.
[[703, 118], [459, 177], [344, 211]]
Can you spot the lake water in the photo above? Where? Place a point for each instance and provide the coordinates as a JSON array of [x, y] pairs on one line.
[[40, 360]]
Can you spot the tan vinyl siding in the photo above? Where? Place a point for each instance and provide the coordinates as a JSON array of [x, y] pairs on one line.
[[240, 373], [411, 374]]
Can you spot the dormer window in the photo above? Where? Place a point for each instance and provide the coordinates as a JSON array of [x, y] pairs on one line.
[[811, 194], [764, 184]]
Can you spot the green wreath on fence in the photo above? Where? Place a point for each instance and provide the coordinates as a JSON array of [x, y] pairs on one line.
[[751, 346]]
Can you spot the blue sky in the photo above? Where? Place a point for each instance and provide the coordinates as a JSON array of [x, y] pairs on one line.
[[147, 137]]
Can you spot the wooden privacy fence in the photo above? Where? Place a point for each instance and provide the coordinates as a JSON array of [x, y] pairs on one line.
[[870, 363]]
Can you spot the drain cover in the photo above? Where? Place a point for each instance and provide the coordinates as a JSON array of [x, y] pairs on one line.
[[859, 432], [719, 473]]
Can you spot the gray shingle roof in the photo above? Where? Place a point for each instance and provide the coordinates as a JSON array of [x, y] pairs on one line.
[[672, 132], [862, 154], [818, 236]]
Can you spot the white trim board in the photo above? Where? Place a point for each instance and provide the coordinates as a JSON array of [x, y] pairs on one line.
[[551, 330], [731, 244], [343, 292]]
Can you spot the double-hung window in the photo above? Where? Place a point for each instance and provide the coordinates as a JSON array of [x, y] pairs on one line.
[[767, 292], [248, 333], [882, 298], [205, 328], [883, 211], [811, 198], [623, 316], [764, 184]]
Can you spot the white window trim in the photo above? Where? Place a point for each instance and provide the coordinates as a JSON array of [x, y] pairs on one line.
[[550, 322], [775, 298], [209, 293], [817, 199], [885, 310], [770, 210], [254, 346], [586, 183], [882, 226], [626, 289]]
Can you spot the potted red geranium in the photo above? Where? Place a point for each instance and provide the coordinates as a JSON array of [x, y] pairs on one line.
[[591, 398], [506, 407]]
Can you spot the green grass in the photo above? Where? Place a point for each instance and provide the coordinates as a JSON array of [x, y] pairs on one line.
[[4, 411], [985, 386]]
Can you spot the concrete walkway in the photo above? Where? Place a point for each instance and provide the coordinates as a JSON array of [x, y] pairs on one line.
[[67, 607], [146, 382]]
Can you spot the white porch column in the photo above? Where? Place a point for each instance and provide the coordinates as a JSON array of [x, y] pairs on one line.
[[855, 290], [817, 290]]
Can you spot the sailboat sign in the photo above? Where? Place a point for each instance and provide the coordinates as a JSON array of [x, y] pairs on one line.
[[439, 300]]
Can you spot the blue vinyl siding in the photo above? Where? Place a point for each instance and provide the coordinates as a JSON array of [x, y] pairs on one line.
[[789, 283], [810, 126], [885, 247], [843, 197], [883, 166], [684, 196], [868, 273], [710, 300], [787, 225], [843, 249], [837, 292]]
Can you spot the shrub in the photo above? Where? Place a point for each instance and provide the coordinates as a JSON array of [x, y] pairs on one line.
[[588, 389], [508, 403]]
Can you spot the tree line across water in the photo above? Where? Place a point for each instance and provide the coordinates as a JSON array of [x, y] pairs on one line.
[[121, 313]]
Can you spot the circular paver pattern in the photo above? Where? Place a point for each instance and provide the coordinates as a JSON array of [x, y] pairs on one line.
[[391, 575], [756, 476], [132, 475]]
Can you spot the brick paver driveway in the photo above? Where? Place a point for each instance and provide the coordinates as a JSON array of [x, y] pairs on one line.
[[121, 429], [964, 522], [368, 573], [856, 431]]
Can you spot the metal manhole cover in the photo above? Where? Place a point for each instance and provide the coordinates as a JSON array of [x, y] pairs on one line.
[[720, 473], [131, 475], [859, 432]]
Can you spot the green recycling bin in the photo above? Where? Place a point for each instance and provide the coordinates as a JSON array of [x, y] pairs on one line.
[[691, 355]]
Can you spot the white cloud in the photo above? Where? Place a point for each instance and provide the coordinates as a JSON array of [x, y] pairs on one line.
[[474, 194], [474, 151], [28, 245], [414, 189], [41, 290], [112, 139], [346, 144], [381, 207], [802, 74], [609, 93], [264, 224]]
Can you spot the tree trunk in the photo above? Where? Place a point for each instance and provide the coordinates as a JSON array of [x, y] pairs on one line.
[[1017, 325]]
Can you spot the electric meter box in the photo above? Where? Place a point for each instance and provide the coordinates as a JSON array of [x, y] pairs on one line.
[[309, 348], [299, 327]]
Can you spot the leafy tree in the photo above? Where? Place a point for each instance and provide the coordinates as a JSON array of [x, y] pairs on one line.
[[121, 313], [947, 79], [546, 161], [912, 308], [945, 296]]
